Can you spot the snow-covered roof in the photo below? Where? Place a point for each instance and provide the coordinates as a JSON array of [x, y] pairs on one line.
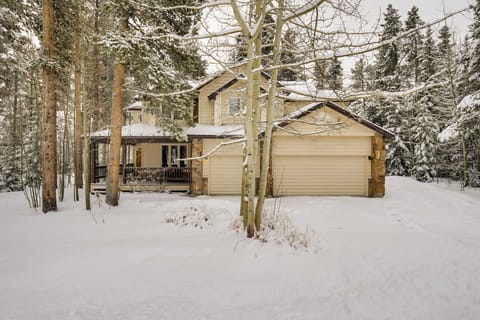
[[306, 90], [210, 130], [134, 130], [144, 130], [317, 105], [137, 105]]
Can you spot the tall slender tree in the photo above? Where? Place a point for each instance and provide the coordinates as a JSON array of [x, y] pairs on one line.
[[49, 158]]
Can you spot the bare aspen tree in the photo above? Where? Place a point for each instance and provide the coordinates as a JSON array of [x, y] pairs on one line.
[[49, 116], [272, 93]]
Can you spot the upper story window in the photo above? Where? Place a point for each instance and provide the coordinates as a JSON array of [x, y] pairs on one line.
[[235, 106]]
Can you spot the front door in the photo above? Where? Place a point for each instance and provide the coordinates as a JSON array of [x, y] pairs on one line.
[[138, 157]]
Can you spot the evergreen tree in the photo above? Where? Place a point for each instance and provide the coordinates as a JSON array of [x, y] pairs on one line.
[[425, 129], [156, 64], [394, 114], [320, 74], [288, 56], [335, 74], [467, 112], [387, 66], [412, 46]]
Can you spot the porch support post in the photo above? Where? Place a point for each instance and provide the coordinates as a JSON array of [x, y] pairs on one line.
[[197, 167], [93, 160], [376, 184], [124, 159]]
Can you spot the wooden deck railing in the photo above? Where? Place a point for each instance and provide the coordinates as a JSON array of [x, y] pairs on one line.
[[141, 175]]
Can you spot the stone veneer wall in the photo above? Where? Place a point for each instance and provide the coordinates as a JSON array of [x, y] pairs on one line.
[[376, 184], [197, 170]]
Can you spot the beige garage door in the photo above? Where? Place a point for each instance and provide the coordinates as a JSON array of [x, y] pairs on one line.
[[321, 165], [225, 174]]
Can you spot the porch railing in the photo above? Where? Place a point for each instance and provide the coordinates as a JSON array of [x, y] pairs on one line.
[[141, 175]]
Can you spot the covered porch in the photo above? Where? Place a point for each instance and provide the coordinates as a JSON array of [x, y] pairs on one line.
[[148, 163]]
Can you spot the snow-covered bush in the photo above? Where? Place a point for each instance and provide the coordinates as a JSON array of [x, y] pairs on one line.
[[278, 228], [195, 215]]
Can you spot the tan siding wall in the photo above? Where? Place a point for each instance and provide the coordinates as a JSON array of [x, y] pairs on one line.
[[205, 106], [217, 112], [151, 155], [326, 115]]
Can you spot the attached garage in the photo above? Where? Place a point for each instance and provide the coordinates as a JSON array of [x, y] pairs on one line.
[[321, 165], [326, 150]]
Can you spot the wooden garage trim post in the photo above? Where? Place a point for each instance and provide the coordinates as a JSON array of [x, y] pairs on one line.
[[376, 184]]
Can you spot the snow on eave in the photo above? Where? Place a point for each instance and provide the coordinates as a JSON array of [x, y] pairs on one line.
[[138, 130], [205, 130], [297, 114], [137, 105], [306, 91], [133, 130]]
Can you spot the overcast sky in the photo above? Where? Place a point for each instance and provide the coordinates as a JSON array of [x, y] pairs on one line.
[[429, 10]]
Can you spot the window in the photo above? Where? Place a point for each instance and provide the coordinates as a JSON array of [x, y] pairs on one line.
[[171, 154], [235, 106]]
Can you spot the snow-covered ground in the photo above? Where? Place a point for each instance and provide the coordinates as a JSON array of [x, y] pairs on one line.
[[414, 254]]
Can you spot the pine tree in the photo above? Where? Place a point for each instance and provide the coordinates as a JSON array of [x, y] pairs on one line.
[[388, 57], [359, 77], [412, 46], [467, 111], [288, 56], [394, 114], [320, 74], [425, 130], [156, 66], [335, 74]]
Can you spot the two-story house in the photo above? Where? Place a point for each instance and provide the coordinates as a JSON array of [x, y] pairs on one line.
[[318, 148]]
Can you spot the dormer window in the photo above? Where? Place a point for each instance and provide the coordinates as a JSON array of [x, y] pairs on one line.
[[235, 106]]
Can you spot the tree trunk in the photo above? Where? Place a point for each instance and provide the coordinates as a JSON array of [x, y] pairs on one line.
[[112, 188], [96, 76], [49, 118], [86, 138], [77, 100], [64, 145], [265, 165]]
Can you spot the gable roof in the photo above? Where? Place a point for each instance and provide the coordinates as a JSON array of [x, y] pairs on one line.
[[230, 82], [302, 112]]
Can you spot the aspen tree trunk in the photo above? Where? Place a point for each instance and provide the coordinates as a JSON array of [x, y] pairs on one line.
[[112, 188], [49, 116], [249, 124], [77, 101], [252, 113], [272, 92]]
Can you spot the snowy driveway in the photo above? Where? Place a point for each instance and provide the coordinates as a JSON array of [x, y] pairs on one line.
[[413, 255]]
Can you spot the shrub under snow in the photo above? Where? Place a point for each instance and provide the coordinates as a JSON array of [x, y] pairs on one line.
[[278, 228], [195, 215]]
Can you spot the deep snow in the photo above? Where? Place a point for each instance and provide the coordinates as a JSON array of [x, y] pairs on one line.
[[414, 254]]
